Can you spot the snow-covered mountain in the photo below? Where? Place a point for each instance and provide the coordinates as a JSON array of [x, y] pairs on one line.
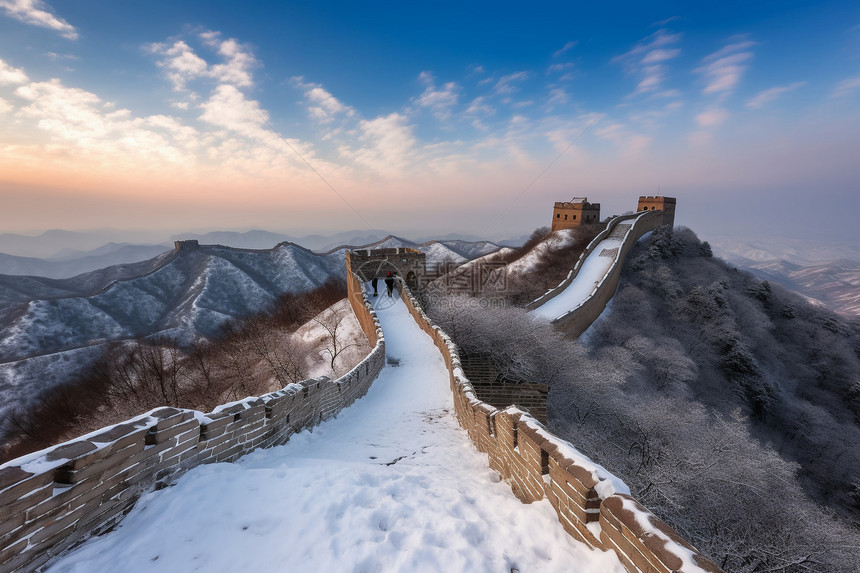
[[804, 252], [825, 272], [835, 284], [192, 291], [438, 252], [51, 329]]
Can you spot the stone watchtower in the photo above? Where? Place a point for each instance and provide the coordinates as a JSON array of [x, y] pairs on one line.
[[659, 203], [574, 213]]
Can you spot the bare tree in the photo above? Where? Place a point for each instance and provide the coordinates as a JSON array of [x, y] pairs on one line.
[[336, 342]]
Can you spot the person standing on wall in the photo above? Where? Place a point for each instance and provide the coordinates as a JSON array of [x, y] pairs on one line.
[[389, 282], [373, 282]]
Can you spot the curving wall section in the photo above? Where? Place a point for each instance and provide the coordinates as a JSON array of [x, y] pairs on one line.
[[55, 498], [592, 505], [577, 320]]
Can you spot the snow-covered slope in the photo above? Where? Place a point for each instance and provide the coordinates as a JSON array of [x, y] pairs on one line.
[[193, 293], [557, 240], [437, 254], [471, 250], [834, 284], [17, 289], [51, 329], [391, 484], [60, 326]]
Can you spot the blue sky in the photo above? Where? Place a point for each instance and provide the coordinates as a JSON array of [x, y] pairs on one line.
[[438, 117]]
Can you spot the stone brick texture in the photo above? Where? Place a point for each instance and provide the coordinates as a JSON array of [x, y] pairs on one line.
[[56, 498], [529, 457]]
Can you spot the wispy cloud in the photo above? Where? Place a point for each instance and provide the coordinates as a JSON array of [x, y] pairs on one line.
[[509, 84], [78, 122], [479, 106], [387, 144], [764, 97], [37, 13], [10, 75], [557, 96], [712, 117], [723, 69], [442, 100], [651, 118], [647, 60], [846, 87], [230, 109], [183, 65], [560, 68], [180, 63], [564, 49], [663, 23], [323, 106]]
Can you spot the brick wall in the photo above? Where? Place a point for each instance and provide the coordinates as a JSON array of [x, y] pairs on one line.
[[55, 498], [538, 464], [577, 320]]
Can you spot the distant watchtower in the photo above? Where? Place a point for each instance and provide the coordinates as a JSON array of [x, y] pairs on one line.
[[658, 202], [574, 213]]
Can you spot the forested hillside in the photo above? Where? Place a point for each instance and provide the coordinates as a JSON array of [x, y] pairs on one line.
[[728, 405]]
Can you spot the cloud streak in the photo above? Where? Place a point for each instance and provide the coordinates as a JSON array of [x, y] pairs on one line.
[[724, 68], [764, 97], [37, 13], [846, 87], [647, 60], [323, 107]]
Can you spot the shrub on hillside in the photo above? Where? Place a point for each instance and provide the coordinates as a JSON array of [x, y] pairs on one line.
[[250, 358], [729, 417]]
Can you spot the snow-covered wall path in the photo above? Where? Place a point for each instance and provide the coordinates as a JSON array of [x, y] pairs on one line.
[[590, 274], [391, 484], [580, 298]]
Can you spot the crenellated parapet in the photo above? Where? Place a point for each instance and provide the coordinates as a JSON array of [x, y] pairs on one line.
[[592, 505], [630, 229], [53, 499]]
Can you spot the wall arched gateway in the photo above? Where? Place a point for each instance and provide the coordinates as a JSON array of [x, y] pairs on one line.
[[409, 264]]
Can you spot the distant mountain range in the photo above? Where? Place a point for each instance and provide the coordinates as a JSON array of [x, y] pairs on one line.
[[835, 284], [51, 329], [825, 272], [79, 262], [83, 252]]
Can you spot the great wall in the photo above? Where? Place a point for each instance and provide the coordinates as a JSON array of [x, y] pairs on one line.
[[56, 498]]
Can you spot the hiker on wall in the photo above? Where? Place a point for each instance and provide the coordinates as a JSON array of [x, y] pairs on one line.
[[389, 282], [373, 282]]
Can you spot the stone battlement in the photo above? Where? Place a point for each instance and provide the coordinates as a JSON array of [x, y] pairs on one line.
[[56, 498], [537, 464]]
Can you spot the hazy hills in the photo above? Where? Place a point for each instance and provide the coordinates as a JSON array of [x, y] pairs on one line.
[[65, 254], [50, 329], [820, 272]]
